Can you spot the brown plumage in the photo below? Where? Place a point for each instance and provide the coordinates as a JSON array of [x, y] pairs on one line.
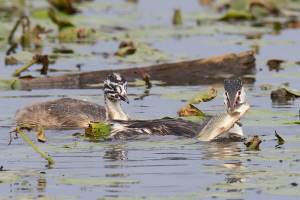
[[67, 112]]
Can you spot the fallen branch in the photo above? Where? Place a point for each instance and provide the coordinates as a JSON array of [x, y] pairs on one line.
[[204, 71]]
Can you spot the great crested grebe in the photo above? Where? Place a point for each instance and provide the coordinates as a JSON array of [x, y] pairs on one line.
[[67, 112], [233, 96]]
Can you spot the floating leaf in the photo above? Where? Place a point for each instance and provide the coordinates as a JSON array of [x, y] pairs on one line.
[[203, 96], [294, 92], [232, 186], [10, 84], [247, 9], [253, 143], [262, 113], [198, 118], [190, 110], [125, 51], [97, 130], [140, 53], [236, 14], [21, 58], [286, 191]]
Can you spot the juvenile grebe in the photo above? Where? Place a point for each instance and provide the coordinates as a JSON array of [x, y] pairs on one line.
[[67, 112], [233, 96]]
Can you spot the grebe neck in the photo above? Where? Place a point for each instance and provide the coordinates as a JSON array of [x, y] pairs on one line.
[[114, 110]]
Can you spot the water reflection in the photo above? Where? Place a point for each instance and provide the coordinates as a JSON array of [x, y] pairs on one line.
[[223, 151], [117, 153], [41, 185]]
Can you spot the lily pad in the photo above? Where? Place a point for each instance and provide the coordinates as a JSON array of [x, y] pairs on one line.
[[262, 113], [22, 57], [294, 92], [287, 192], [97, 130], [141, 53], [10, 84], [244, 186]]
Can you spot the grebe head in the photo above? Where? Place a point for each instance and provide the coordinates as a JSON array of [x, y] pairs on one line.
[[115, 88], [234, 93]]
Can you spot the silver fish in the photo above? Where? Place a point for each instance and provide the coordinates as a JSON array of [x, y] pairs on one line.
[[222, 122]]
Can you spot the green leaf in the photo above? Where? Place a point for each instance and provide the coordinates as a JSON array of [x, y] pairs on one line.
[[294, 92], [97, 130], [236, 14], [10, 84], [125, 51], [140, 53]]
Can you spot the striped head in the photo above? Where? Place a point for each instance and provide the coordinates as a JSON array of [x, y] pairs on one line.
[[115, 88], [234, 93]]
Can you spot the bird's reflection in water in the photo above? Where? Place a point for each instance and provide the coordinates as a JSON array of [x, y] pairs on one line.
[[116, 154], [220, 153], [220, 150]]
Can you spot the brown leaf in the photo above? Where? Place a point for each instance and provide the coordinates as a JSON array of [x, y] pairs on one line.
[[190, 110], [40, 134], [253, 144]]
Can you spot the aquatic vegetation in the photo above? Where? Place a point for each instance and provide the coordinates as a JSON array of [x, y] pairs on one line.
[[203, 96], [253, 144], [97, 131], [41, 137], [186, 169]]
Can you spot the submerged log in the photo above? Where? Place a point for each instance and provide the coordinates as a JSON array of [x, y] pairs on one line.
[[204, 71]]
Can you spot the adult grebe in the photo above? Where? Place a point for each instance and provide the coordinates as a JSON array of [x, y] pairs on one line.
[[67, 112], [233, 96]]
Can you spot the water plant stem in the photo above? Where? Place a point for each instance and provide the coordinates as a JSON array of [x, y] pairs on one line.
[[51, 161], [18, 71]]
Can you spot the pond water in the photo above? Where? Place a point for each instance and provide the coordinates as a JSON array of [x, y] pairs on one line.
[[159, 167]]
